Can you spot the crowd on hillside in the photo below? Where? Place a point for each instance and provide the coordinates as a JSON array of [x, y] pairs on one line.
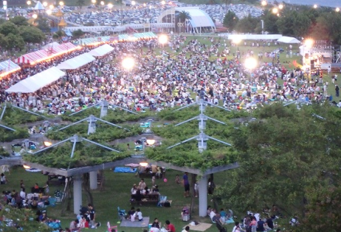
[[149, 12], [168, 80]]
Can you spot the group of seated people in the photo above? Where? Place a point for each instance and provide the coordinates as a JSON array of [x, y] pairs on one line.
[[224, 217], [153, 171], [134, 215], [140, 191], [36, 198]]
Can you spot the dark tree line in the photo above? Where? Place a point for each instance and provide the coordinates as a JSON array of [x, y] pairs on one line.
[[297, 21]]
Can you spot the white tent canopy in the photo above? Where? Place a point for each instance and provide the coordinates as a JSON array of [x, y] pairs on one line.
[[51, 45], [39, 6], [76, 62], [289, 40], [102, 50], [36, 82]]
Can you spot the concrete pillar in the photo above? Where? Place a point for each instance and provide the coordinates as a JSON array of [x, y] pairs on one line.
[[92, 125], [203, 196], [104, 109], [93, 180], [77, 194]]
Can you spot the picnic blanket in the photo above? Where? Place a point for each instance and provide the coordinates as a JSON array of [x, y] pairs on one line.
[[200, 227], [124, 170], [128, 223]]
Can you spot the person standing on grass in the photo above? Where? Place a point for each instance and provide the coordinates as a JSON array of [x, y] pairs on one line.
[[337, 91], [186, 184], [3, 179]]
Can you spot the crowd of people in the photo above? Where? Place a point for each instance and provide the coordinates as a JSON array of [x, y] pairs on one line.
[[37, 199], [167, 80], [150, 11]]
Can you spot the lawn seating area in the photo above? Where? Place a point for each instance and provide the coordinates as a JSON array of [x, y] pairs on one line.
[[116, 194], [151, 198]]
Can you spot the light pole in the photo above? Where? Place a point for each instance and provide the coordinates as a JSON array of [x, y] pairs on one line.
[[262, 22], [4, 4]]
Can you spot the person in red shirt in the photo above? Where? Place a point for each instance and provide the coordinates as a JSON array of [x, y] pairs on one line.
[[169, 226]]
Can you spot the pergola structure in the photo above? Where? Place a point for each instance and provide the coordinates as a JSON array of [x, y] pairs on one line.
[[76, 174], [19, 108], [4, 110], [104, 108], [202, 139], [92, 124]]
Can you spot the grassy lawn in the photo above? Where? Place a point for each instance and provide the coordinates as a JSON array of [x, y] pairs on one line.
[[117, 194]]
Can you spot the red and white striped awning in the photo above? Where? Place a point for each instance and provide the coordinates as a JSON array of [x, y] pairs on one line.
[[47, 53], [29, 58]]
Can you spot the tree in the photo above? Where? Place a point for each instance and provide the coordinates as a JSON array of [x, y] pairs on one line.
[[182, 17], [19, 21], [247, 24], [14, 41], [320, 29], [78, 33], [3, 41], [230, 20], [59, 34], [43, 24], [287, 157], [323, 211], [270, 22], [31, 34], [8, 28], [294, 23], [80, 3]]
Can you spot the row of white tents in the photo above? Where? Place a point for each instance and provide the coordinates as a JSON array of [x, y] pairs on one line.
[[47, 77]]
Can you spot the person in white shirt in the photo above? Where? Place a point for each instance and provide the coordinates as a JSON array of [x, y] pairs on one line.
[[22, 194], [138, 215], [212, 214], [236, 228]]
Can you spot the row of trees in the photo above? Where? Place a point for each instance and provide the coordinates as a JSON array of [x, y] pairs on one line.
[[297, 21], [15, 32], [290, 158]]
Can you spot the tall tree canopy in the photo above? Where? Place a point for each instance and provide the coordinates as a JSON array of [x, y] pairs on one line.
[[230, 20], [290, 158]]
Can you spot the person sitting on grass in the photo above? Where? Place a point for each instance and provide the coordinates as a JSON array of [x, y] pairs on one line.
[[169, 226], [156, 223], [74, 226], [130, 213], [138, 215], [186, 229]]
